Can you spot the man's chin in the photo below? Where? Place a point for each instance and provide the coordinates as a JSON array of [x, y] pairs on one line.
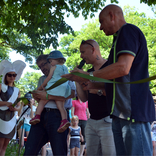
[[45, 72]]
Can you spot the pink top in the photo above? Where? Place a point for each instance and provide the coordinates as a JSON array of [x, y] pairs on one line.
[[80, 109]]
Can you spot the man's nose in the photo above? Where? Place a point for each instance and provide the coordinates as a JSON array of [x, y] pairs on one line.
[[100, 27], [81, 56]]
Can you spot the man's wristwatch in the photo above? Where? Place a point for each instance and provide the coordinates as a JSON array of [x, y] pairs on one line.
[[99, 92], [91, 73]]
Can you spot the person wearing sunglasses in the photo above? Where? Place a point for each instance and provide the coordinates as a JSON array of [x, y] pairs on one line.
[[8, 95], [98, 132]]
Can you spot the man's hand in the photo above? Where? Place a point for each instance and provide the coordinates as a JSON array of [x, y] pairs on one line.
[[74, 77]]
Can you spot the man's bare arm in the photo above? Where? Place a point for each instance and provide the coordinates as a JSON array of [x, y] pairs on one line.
[[82, 94]]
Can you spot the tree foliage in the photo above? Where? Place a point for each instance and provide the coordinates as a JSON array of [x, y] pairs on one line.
[[70, 44], [28, 82], [29, 26], [148, 2]]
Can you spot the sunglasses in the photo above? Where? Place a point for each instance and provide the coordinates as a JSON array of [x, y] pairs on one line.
[[85, 42], [42, 65], [10, 75]]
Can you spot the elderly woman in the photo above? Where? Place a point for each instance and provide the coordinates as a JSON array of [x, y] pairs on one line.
[[8, 95]]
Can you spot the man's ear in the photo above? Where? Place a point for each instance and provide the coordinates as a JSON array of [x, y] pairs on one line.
[[93, 49], [111, 16]]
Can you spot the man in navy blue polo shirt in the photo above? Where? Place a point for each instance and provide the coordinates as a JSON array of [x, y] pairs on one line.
[[132, 104]]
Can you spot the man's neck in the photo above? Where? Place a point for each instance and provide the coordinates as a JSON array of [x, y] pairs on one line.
[[98, 63]]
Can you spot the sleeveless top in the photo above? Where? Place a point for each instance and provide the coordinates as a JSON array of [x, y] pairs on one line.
[[75, 132], [7, 117]]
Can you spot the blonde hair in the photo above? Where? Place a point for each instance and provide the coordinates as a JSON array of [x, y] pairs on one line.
[[74, 117]]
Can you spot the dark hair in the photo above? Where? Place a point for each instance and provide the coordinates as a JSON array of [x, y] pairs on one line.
[[41, 57], [5, 80], [77, 98]]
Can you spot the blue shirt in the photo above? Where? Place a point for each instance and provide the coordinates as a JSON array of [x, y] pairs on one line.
[[131, 101]]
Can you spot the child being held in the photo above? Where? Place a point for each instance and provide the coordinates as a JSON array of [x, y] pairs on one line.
[[57, 69], [75, 136]]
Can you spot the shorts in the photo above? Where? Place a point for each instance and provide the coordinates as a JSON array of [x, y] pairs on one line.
[[26, 127], [74, 142], [153, 136]]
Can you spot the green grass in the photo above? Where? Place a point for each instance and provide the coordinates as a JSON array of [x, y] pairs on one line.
[[13, 149]]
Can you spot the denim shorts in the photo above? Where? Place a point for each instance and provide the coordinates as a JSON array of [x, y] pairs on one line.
[[74, 142], [26, 127]]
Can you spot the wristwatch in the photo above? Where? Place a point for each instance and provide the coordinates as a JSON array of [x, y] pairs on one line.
[[99, 92], [91, 73]]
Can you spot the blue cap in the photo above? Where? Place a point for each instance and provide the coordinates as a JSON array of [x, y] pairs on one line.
[[28, 96], [55, 55]]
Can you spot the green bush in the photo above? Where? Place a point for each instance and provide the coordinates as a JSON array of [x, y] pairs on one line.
[[13, 149]]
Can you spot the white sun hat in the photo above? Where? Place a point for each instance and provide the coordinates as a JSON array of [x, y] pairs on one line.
[[17, 67]]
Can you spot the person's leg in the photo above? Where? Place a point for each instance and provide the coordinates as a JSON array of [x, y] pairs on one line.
[[3, 145], [104, 131], [60, 106], [39, 110], [27, 129], [64, 123], [118, 140], [40, 106], [21, 136], [38, 136], [92, 138], [82, 124], [153, 143], [77, 151], [72, 151], [58, 141], [43, 150], [137, 138]]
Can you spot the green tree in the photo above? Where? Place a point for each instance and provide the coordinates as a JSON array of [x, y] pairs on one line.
[[148, 2], [28, 82], [31, 26], [70, 44]]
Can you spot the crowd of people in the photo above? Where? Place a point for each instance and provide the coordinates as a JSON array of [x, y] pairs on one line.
[[107, 118]]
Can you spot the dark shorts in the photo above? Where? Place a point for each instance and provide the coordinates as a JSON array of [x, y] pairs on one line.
[[74, 142]]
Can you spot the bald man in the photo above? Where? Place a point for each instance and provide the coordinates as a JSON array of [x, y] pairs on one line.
[[132, 104], [98, 131]]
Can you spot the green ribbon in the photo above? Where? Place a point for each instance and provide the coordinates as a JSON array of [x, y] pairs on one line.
[[108, 81], [23, 99], [63, 80]]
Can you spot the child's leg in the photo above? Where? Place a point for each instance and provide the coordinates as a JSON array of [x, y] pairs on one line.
[[76, 151], [64, 123], [39, 110], [60, 106], [72, 152], [40, 106]]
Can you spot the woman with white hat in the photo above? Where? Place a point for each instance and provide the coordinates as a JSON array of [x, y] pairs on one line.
[[8, 95]]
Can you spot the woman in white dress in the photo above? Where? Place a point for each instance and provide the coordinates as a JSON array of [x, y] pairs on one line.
[[8, 95]]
